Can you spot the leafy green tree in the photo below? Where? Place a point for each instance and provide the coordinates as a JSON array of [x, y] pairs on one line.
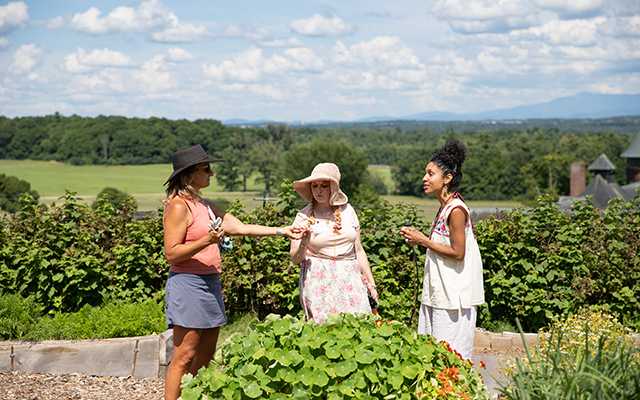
[[301, 158], [11, 188], [264, 157], [116, 200]]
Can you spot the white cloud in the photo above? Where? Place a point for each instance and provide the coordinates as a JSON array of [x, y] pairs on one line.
[[150, 14], [579, 32], [177, 54], [13, 15], [83, 61], [180, 33], [25, 59], [572, 8], [318, 25], [349, 100], [381, 51], [154, 75], [263, 90], [482, 16], [55, 23], [251, 65], [284, 42], [622, 26], [246, 67], [296, 59], [85, 87], [260, 36]]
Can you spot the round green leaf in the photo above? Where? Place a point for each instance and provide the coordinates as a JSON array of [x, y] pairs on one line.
[[253, 390]]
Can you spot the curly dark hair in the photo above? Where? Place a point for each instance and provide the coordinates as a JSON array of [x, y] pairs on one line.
[[450, 158]]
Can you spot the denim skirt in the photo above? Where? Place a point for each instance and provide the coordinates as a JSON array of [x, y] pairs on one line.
[[194, 301]]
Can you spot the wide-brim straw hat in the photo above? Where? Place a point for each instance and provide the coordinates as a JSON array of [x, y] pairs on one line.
[[185, 158], [322, 172]]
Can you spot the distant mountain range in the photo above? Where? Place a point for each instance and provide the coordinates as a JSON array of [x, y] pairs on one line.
[[581, 105]]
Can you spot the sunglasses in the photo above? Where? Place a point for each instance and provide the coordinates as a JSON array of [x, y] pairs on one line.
[[205, 168]]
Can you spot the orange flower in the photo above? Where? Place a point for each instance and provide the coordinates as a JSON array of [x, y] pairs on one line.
[[483, 365], [453, 373]]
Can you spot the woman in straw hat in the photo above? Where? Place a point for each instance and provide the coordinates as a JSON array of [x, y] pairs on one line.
[[335, 273], [192, 229]]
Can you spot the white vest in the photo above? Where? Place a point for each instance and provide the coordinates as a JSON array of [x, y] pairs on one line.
[[448, 283]]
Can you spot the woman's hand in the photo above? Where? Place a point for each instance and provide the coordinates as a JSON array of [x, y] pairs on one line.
[[213, 236], [413, 236], [294, 232], [371, 287]]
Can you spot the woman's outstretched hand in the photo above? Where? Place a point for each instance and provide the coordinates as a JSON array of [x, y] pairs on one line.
[[294, 232], [413, 236]]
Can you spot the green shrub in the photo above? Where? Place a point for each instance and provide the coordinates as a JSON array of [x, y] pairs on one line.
[[350, 356], [108, 321], [115, 201], [18, 315], [67, 255], [11, 188], [582, 331], [542, 262], [579, 361]]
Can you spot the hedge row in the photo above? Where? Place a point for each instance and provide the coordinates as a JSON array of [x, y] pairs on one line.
[[539, 262]]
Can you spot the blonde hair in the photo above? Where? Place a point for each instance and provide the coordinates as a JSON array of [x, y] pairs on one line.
[[180, 186], [337, 216]]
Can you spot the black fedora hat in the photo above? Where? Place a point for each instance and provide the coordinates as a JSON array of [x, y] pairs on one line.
[[185, 158]]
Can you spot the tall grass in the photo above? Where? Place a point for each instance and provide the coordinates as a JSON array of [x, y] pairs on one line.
[[606, 371]]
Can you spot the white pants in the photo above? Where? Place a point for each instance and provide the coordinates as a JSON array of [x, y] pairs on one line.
[[456, 327]]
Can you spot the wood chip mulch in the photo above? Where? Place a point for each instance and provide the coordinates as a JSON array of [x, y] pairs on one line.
[[23, 386]]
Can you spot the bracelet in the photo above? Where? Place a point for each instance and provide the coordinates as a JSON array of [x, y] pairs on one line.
[[279, 232]]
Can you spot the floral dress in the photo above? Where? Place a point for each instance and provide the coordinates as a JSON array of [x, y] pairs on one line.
[[330, 277]]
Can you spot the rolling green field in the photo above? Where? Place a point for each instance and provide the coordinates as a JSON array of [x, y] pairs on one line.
[[144, 182]]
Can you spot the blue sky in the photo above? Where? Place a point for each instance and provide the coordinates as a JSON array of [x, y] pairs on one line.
[[310, 60]]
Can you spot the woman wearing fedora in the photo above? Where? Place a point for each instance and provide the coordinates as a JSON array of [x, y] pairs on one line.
[[194, 304], [334, 273]]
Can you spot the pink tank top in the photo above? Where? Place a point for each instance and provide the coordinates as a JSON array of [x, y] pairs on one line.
[[206, 261]]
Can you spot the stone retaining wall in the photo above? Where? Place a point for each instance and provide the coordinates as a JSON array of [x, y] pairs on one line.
[[148, 356]]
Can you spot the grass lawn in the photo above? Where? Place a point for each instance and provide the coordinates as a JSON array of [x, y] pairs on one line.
[[430, 206], [144, 182]]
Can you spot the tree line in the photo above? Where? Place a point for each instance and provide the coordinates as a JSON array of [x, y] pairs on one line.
[[517, 162]]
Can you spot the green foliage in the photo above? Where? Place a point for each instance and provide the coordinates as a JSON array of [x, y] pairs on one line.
[[301, 158], [506, 161], [113, 200], [543, 262], [18, 315], [11, 188], [598, 367], [509, 165], [68, 255], [21, 319], [539, 263], [114, 319], [350, 356], [583, 332]]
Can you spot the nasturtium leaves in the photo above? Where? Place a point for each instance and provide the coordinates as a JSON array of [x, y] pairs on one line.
[[349, 357], [253, 390], [365, 356]]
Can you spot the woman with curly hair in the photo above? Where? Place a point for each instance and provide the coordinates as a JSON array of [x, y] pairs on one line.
[[452, 286]]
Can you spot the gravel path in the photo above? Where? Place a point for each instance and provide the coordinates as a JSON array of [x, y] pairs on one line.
[[22, 386]]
